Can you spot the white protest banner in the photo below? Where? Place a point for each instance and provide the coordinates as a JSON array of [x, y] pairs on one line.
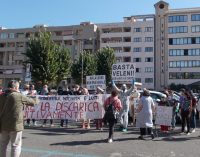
[[163, 115], [94, 81], [66, 107], [124, 72]]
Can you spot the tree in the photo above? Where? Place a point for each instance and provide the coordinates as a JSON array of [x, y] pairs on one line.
[[105, 59], [49, 61], [89, 67]]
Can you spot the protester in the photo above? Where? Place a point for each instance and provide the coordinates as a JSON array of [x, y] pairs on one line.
[[193, 112], [123, 94], [115, 103], [32, 92], [164, 102], [25, 90], [45, 91], [133, 101], [186, 108], [85, 122], [99, 122], [144, 117], [11, 117]]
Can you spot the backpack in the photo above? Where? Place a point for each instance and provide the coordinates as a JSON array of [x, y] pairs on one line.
[[110, 112]]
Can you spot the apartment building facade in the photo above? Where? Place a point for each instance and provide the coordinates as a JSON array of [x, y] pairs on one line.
[[13, 43], [132, 41], [164, 46]]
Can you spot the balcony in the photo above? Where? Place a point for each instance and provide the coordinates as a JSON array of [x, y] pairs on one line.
[[123, 54], [116, 34]]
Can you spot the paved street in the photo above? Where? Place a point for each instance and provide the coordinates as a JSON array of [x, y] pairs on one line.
[[76, 142]]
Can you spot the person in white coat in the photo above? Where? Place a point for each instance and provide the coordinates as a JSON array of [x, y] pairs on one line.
[[123, 94], [144, 119]]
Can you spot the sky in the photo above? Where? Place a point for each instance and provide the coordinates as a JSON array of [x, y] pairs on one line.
[[27, 13]]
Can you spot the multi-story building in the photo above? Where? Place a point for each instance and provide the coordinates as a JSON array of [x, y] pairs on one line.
[[177, 45], [165, 46], [13, 42], [132, 41]]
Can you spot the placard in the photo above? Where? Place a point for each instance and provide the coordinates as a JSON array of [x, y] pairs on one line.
[[123, 72], [94, 81], [164, 115]]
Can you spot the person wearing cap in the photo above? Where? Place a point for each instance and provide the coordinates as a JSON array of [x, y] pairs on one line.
[[123, 94], [11, 117], [144, 119]]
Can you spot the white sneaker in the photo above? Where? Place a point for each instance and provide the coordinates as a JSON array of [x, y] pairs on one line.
[[188, 134], [193, 130], [110, 140]]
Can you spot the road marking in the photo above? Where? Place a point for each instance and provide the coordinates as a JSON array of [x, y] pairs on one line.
[[47, 153]]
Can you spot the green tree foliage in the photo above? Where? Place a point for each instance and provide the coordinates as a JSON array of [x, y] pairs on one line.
[[105, 59], [89, 67], [49, 61]]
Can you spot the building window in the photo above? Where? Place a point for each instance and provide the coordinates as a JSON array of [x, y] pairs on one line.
[[148, 29], [148, 80], [148, 49], [195, 17], [137, 30], [184, 64], [178, 18], [138, 70], [4, 36], [137, 59], [195, 29], [184, 41], [137, 39], [149, 59], [179, 29], [11, 35], [149, 69], [127, 59], [138, 79], [137, 49], [184, 75], [148, 39]]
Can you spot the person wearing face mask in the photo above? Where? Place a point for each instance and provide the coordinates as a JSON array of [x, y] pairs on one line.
[[123, 94]]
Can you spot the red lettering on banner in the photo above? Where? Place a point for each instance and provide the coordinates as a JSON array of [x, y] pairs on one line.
[[43, 113], [66, 106], [59, 106], [81, 106], [45, 106], [49, 115], [75, 106], [76, 115], [81, 115], [67, 113], [96, 106], [90, 104]]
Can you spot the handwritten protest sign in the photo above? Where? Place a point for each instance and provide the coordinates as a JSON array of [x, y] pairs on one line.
[[124, 72], [66, 107], [163, 115], [94, 81]]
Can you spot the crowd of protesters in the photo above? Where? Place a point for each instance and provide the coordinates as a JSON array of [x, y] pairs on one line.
[[124, 102]]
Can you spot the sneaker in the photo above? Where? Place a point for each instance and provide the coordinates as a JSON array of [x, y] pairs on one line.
[[188, 134], [193, 131], [141, 137], [35, 124], [124, 130], [152, 136], [110, 140]]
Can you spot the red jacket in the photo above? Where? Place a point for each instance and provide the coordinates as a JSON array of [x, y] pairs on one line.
[[115, 101]]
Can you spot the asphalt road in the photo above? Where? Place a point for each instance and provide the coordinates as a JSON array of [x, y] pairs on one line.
[[76, 142]]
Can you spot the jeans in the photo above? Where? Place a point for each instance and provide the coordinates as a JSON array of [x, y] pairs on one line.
[[111, 123], [185, 115], [16, 142], [123, 118], [193, 119], [174, 114], [62, 122]]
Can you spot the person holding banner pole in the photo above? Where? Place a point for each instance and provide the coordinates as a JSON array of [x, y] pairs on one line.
[[123, 94]]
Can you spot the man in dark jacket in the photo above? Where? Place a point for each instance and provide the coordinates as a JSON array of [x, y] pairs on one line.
[[11, 117]]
